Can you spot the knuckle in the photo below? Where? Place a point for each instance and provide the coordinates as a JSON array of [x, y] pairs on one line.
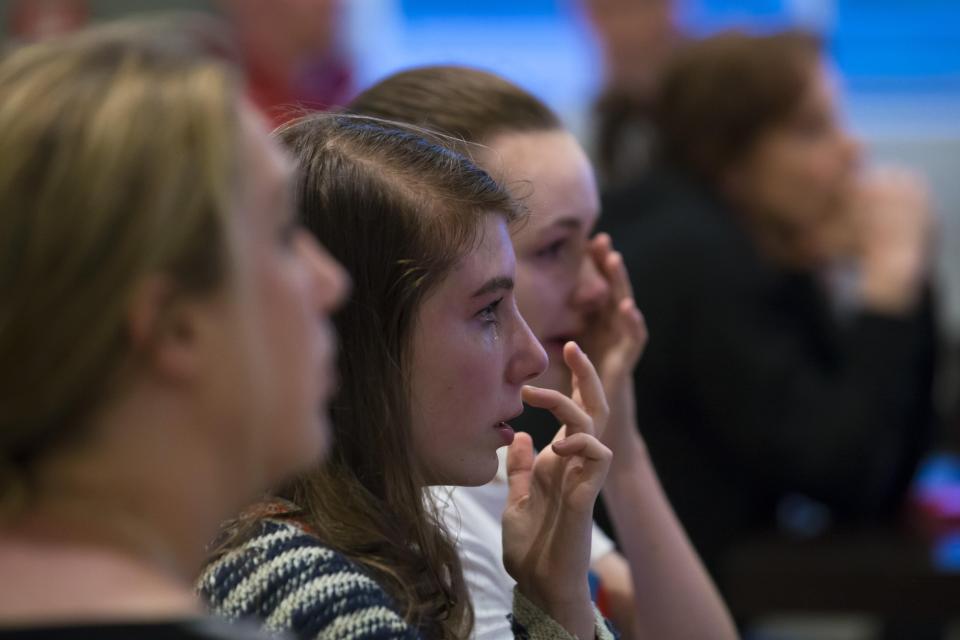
[[606, 453]]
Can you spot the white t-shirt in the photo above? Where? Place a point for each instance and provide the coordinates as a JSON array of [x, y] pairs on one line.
[[472, 515]]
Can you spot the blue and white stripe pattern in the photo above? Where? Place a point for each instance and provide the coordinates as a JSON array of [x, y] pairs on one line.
[[288, 580]]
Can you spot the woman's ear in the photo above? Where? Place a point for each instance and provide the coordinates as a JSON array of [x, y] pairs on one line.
[[163, 329]]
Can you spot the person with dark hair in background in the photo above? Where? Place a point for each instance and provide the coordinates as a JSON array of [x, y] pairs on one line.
[[292, 55], [636, 38], [760, 382], [435, 360]]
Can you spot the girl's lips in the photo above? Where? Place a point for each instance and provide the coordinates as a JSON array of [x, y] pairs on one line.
[[506, 432]]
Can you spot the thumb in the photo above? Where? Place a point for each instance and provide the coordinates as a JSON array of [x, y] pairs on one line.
[[519, 469]]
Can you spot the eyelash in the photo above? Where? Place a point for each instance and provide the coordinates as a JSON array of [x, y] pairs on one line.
[[489, 312], [552, 251]]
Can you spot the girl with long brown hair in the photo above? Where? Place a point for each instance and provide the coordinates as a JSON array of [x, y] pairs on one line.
[[570, 285], [434, 363]]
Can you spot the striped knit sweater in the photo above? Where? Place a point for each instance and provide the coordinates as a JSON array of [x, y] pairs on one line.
[[286, 578]]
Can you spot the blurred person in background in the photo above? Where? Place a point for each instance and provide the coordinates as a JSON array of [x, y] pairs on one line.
[[165, 354], [292, 53], [757, 384], [569, 286], [35, 20], [636, 38]]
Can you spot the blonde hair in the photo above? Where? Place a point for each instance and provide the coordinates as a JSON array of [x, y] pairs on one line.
[[118, 162]]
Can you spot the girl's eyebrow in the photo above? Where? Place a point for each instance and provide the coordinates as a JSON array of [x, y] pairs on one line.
[[567, 223], [494, 284]]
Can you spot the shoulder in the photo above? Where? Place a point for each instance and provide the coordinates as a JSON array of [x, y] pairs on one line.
[[667, 202], [473, 520], [472, 516], [679, 241], [288, 579]]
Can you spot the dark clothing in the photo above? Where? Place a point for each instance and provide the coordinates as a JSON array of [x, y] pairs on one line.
[[750, 387], [625, 137], [206, 629]]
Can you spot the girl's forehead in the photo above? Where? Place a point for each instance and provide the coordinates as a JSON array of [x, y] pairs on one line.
[[490, 257], [550, 173]]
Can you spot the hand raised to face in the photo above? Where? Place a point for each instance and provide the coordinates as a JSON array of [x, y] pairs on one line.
[[895, 226], [549, 514], [615, 338], [616, 334]]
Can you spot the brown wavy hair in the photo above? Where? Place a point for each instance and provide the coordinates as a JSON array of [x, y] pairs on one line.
[[719, 95], [398, 211], [469, 104]]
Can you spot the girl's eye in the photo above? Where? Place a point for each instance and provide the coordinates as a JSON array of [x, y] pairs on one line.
[[553, 250], [489, 312]]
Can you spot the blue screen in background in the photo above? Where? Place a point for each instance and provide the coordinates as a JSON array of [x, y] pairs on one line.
[[871, 39], [478, 8], [898, 61], [883, 38]]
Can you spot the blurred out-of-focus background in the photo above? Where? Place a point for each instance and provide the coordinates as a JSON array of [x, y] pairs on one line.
[[897, 63]]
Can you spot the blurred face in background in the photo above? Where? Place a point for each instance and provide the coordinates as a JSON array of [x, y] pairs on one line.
[[798, 178], [304, 27], [636, 37], [558, 284], [311, 23]]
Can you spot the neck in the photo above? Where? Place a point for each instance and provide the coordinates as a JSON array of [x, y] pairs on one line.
[[782, 243], [103, 540], [66, 582], [147, 484], [137, 537]]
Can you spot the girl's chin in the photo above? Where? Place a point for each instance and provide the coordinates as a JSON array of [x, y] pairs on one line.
[[478, 477], [480, 467]]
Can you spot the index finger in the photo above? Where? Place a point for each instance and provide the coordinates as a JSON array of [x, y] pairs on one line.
[[572, 416], [599, 247], [615, 271], [519, 468], [587, 381]]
